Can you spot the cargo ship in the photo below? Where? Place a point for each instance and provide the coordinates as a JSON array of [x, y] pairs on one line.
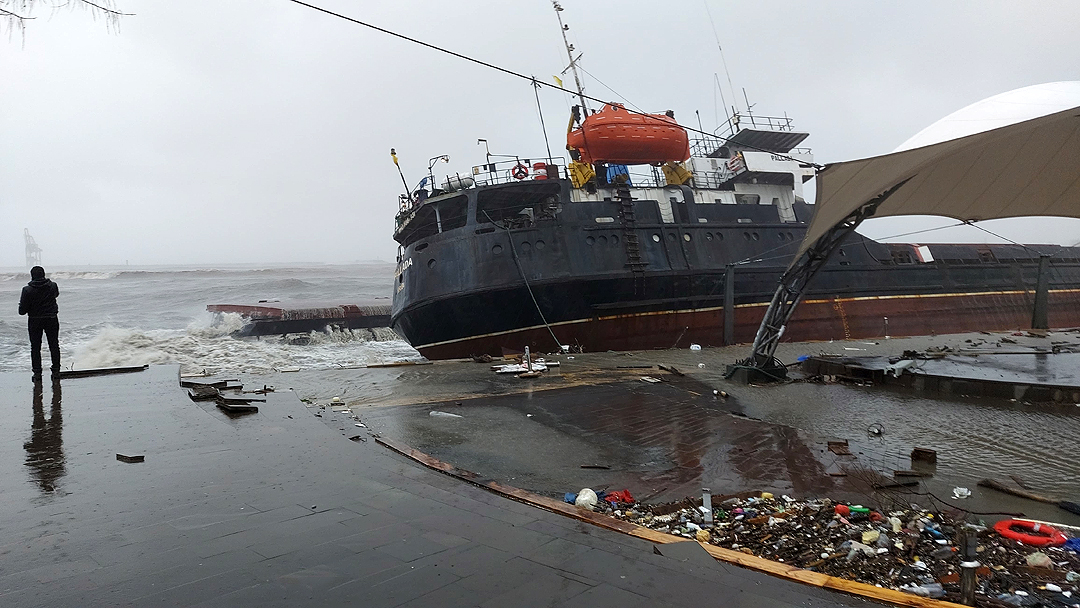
[[646, 237]]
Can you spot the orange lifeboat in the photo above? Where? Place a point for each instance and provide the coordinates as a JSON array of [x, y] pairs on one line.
[[616, 136]]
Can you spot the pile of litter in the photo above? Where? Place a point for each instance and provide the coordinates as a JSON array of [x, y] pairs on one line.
[[909, 549]]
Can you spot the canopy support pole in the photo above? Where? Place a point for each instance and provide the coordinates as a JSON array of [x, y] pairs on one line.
[[761, 364]]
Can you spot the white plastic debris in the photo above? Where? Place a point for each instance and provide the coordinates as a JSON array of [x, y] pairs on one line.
[[361, 425], [1053, 587], [586, 498], [701, 365], [650, 379], [438, 414], [959, 492], [695, 347]]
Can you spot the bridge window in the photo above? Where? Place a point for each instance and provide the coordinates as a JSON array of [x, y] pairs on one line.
[[521, 203], [454, 212]]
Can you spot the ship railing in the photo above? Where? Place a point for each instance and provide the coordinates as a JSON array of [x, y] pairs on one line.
[[739, 121], [503, 171]]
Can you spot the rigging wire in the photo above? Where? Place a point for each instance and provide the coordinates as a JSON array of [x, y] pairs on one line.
[[734, 98], [528, 78], [617, 94], [758, 258], [540, 111], [521, 271]]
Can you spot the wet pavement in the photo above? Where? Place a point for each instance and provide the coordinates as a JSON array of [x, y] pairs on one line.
[[276, 508], [975, 437], [663, 440]]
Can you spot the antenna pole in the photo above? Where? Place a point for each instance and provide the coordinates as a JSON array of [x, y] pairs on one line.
[[570, 55]]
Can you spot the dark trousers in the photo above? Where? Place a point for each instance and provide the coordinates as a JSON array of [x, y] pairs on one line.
[[50, 326]]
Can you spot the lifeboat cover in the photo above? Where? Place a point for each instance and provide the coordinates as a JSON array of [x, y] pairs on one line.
[[616, 136]]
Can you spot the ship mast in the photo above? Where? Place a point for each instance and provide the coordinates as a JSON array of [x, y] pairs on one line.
[[570, 54]]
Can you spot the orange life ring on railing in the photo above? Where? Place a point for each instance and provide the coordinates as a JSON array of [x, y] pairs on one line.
[[520, 171], [1030, 533]]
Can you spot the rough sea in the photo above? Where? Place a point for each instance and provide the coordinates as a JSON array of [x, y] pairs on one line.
[[155, 315]]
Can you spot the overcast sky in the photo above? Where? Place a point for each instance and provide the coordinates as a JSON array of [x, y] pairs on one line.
[[210, 132]]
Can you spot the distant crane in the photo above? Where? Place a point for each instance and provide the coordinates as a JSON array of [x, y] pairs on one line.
[[33, 252]]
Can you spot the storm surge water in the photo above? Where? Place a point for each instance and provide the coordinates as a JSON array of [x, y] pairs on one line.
[[123, 316]]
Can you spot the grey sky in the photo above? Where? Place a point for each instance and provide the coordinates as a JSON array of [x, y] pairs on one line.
[[259, 131]]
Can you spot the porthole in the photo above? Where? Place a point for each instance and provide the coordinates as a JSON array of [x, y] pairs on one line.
[[719, 236], [656, 238], [843, 253], [497, 249], [602, 239], [526, 247], [431, 263], [746, 235], [755, 236], [614, 239], [708, 236], [686, 237], [790, 237], [421, 247], [540, 244], [589, 240], [780, 236]]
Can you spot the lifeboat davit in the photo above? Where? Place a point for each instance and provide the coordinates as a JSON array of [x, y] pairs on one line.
[[616, 136]]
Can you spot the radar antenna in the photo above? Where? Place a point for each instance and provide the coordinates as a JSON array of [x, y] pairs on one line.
[[33, 252], [570, 53]]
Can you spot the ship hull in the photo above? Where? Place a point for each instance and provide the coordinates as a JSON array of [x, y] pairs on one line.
[[814, 320], [618, 274]]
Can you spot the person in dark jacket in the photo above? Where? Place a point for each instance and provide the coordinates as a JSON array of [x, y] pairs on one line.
[[38, 303]]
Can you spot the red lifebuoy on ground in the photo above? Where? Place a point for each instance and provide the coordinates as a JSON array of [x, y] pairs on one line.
[[1030, 533], [520, 171]]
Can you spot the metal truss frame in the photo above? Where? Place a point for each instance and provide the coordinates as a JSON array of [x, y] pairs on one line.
[[793, 283]]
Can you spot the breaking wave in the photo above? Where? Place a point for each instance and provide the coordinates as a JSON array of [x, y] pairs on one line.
[[211, 348]]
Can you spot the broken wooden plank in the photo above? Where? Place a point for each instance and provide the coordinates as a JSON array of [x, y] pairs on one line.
[[1002, 487], [101, 371]]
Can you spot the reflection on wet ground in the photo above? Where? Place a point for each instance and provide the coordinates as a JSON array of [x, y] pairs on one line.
[[45, 448], [664, 440], [662, 445]]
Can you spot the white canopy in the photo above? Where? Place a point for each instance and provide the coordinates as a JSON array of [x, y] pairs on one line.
[[1030, 168]]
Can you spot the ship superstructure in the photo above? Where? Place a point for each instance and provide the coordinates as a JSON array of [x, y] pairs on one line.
[[556, 252]]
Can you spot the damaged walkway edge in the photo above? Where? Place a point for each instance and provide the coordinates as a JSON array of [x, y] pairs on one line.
[[799, 575]]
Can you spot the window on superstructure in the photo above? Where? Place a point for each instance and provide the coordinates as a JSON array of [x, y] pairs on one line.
[[454, 212], [747, 199], [422, 225], [520, 205], [985, 255], [901, 256]]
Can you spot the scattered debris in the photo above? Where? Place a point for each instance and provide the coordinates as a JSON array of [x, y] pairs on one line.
[[596, 466], [909, 549], [924, 455], [131, 458], [840, 448], [586, 499], [650, 379], [695, 347], [959, 493], [438, 414], [671, 369]]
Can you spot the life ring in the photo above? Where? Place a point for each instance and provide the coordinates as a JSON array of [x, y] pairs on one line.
[[1030, 533], [520, 171]]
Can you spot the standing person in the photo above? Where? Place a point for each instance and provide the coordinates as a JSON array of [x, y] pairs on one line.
[[38, 302]]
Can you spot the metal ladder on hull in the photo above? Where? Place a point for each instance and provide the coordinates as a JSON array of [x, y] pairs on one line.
[[630, 237]]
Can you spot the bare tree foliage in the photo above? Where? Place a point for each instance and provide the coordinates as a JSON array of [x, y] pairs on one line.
[[15, 15]]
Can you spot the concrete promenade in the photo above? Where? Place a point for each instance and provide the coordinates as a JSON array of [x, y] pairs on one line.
[[278, 509]]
